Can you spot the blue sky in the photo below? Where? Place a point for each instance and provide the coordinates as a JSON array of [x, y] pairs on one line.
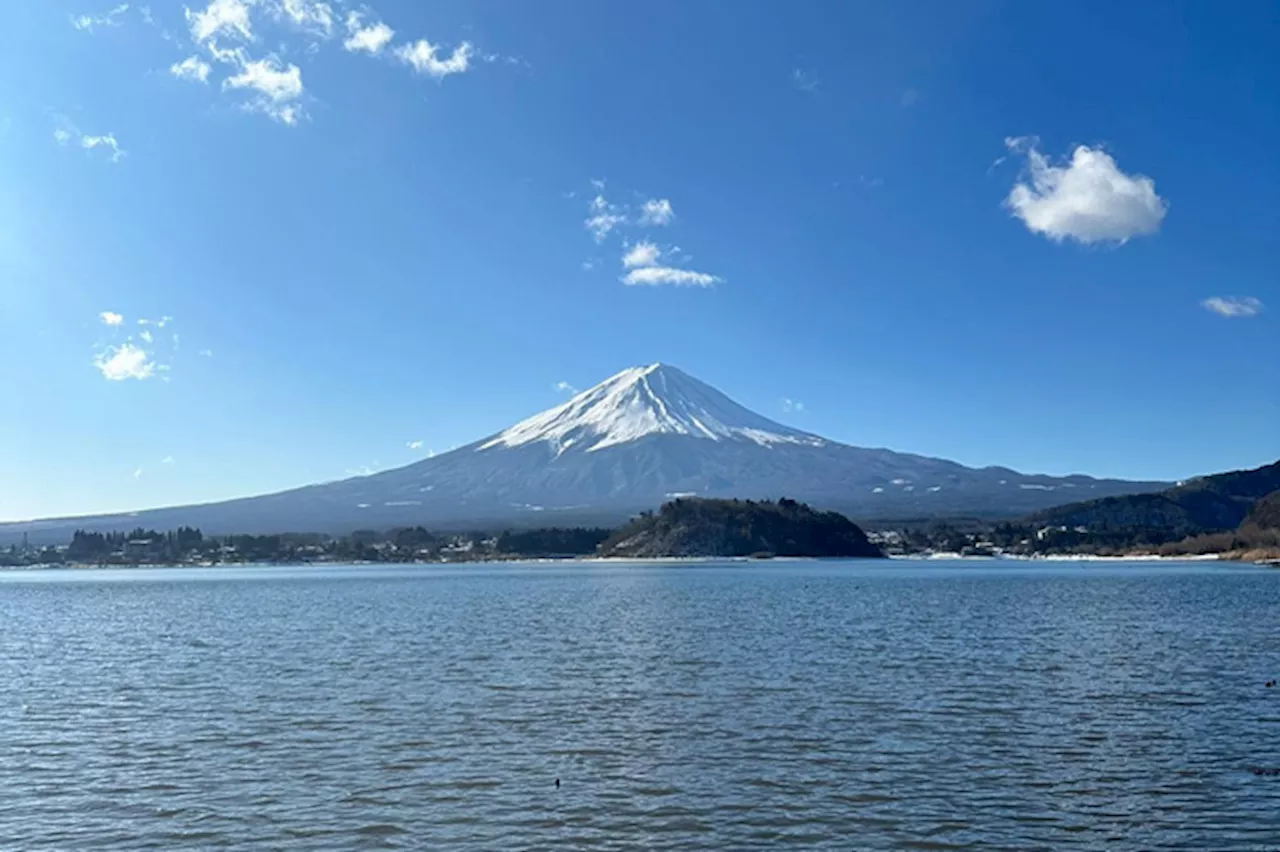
[[872, 221]]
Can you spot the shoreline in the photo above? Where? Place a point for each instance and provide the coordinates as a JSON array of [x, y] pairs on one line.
[[660, 560]]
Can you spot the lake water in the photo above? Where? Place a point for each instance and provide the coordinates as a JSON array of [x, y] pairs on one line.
[[863, 706]]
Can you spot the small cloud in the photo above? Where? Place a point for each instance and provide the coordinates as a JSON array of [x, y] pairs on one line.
[[414, 445], [656, 211], [790, 405], [870, 182], [205, 353], [643, 253], [61, 136], [111, 318], [158, 323], [312, 16], [565, 387], [804, 80], [192, 68], [107, 141], [167, 460], [371, 39], [110, 19], [137, 473], [1233, 306], [144, 336], [603, 219], [126, 361], [910, 97], [1087, 199], [278, 88], [655, 275], [221, 17], [598, 183], [589, 264], [421, 54]]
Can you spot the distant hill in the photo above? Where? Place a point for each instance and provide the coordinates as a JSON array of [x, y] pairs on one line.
[[707, 527], [1207, 504], [1265, 514]]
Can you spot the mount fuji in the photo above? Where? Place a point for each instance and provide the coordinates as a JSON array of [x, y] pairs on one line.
[[640, 437]]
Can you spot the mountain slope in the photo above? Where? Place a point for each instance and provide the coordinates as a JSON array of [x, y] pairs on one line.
[[1265, 514], [630, 443], [1206, 504]]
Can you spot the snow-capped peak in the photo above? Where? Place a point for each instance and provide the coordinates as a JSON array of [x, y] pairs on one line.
[[640, 401]]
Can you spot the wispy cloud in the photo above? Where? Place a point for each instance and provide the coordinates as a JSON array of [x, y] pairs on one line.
[[656, 211], [111, 318], [205, 353], [314, 17], [158, 323], [1088, 199], [137, 473], [603, 218], [369, 39], [1233, 306], [66, 132], [192, 68], [565, 387], [804, 80], [167, 460], [414, 445], [421, 56], [221, 17], [278, 88], [126, 361], [654, 275], [791, 405], [643, 253], [106, 141], [110, 19], [145, 336]]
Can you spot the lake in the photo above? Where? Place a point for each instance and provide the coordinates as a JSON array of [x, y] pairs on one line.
[[801, 705]]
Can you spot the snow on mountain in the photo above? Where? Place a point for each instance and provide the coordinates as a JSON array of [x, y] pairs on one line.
[[654, 400]]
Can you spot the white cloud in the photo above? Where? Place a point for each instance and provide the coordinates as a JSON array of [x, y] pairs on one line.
[[1088, 199], [565, 387], [656, 211], [221, 17], [421, 54], [61, 136], [598, 183], [137, 473], [589, 264], [192, 68], [206, 353], [654, 275], [790, 405], [312, 16], [110, 19], [1233, 306], [145, 336], [804, 80], [277, 87], [371, 39], [414, 445], [643, 253], [158, 323], [167, 460], [603, 219], [126, 361], [106, 141], [111, 318]]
